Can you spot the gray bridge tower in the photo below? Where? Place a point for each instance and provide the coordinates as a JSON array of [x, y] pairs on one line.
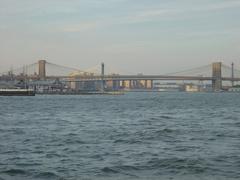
[[42, 69], [217, 76]]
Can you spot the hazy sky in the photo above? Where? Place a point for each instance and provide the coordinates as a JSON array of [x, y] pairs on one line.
[[148, 36]]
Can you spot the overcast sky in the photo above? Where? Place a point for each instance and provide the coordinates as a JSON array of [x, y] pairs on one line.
[[148, 36]]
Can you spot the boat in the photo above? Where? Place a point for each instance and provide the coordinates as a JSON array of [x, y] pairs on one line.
[[17, 92]]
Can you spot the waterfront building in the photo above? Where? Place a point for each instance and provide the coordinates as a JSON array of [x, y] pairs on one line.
[[192, 88], [167, 87], [234, 89]]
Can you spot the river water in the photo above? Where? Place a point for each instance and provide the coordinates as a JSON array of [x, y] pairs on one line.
[[133, 136]]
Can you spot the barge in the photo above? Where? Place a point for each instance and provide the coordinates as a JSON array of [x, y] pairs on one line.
[[17, 92]]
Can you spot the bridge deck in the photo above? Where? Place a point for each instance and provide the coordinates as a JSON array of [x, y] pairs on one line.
[[139, 77]]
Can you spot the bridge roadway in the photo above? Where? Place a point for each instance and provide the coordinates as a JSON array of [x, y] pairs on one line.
[[136, 77]]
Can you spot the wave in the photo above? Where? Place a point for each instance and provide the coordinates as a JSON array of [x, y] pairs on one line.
[[15, 172], [162, 166], [48, 175], [166, 117], [191, 166], [128, 141], [109, 170], [22, 173], [73, 141], [125, 170]]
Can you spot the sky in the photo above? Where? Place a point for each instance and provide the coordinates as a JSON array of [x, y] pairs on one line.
[[135, 36]]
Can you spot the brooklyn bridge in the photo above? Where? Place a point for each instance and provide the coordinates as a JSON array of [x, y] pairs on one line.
[[44, 73]]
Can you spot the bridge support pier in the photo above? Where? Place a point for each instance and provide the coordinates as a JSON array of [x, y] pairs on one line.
[[217, 76]]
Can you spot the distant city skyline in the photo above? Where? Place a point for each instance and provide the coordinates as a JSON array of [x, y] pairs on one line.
[[147, 36]]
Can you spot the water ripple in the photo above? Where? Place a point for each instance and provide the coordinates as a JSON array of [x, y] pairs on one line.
[[136, 136]]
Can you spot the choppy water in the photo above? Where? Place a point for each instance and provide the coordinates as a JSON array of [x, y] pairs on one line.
[[135, 136]]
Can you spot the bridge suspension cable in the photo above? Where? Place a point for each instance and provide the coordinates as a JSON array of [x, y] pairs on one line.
[[113, 70], [227, 71], [60, 70], [205, 70]]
